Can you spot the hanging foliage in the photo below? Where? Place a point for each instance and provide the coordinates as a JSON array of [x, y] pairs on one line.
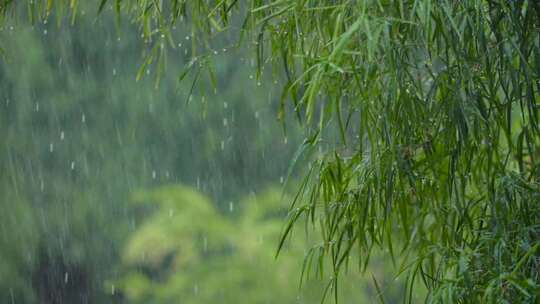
[[423, 116]]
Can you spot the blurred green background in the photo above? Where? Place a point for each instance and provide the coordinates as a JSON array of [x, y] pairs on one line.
[[115, 191]]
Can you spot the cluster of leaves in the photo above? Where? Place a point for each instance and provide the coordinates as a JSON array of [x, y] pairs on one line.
[[443, 100], [435, 104]]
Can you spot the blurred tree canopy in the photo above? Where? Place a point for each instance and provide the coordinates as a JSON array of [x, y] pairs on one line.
[[422, 117], [79, 135], [216, 258]]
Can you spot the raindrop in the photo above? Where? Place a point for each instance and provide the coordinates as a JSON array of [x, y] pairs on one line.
[[162, 36], [37, 107], [187, 37], [153, 174], [167, 174], [83, 118], [256, 114], [231, 206], [225, 105], [62, 135], [222, 145], [113, 289], [44, 32], [11, 28], [171, 212], [66, 278], [179, 44], [285, 140], [196, 289], [51, 147], [225, 122], [215, 52], [114, 72], [259, 83], [42, 186], [72, 165], [250, 76], [281, 179], [205, 244], [198, 183]]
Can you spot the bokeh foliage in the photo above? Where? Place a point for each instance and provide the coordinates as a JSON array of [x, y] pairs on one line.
[[79, 135], [187, 251]]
